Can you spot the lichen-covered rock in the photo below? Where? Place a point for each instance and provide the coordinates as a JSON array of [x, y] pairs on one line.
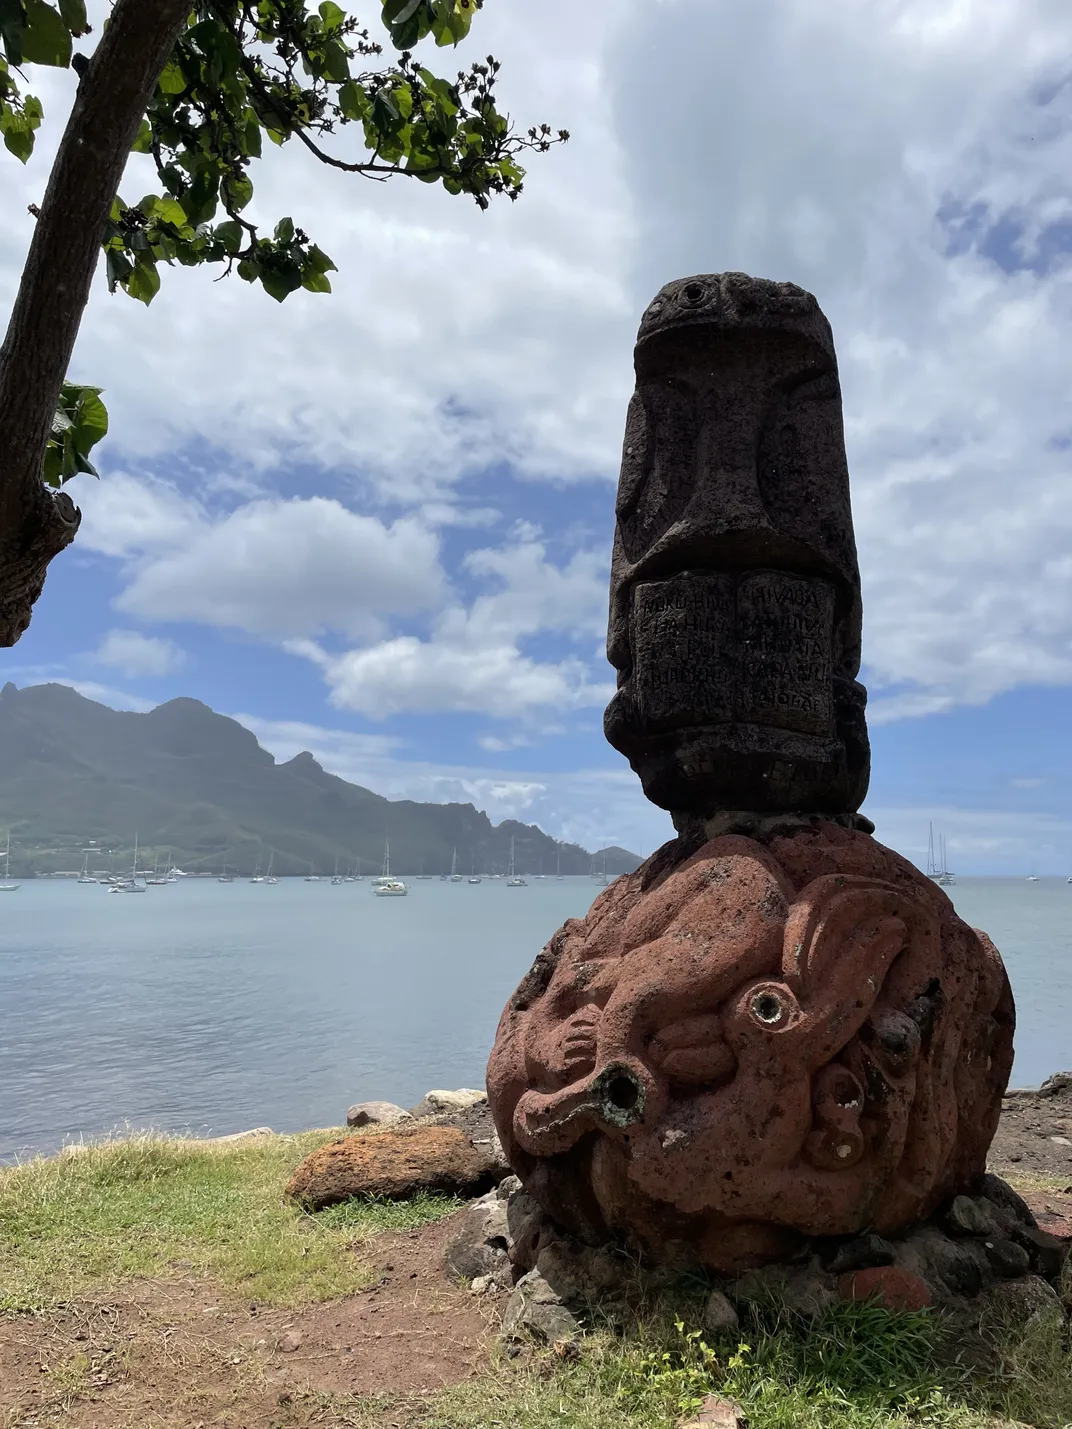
[[535, 1305], [720, 1316], [377, 1114], [480, 1246], [394, 1164], [436, 1103]]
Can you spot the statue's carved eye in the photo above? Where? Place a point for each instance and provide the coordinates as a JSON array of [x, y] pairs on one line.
[[694, 293], [768, 1008]]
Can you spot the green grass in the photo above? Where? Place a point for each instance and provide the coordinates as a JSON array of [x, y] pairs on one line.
[[857, 1367], [73, 1225], [76, 1226]]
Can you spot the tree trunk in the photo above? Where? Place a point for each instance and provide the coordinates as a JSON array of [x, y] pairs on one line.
[[36, 523]]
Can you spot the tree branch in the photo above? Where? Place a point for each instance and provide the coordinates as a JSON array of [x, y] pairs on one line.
[[35, 523]]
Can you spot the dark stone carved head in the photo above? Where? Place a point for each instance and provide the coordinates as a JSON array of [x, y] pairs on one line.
[[735, 595]]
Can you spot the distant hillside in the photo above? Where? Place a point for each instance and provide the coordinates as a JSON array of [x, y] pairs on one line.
[[75, 774]]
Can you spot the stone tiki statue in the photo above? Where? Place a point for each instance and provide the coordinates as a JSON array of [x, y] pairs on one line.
[[776, 1028]]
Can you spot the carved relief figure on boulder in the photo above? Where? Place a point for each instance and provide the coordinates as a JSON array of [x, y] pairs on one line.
[[776, 1028], [735, 595], [758, 1043]]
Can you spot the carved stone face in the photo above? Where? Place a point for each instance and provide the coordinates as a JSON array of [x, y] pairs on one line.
[[735, 603], [766, 1040]]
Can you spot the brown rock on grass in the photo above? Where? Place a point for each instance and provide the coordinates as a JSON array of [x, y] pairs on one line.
[[396, 1165]]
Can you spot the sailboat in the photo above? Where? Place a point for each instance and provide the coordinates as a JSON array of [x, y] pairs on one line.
[[514, 880], [7, 886], [130, 884], [474, 877], [601, 878], [385, 886], [335, 879], [157, 881], [455, 876], [270, 877], [85, 876], [225, 877], [258, 876], [933, 870], [945, 877]]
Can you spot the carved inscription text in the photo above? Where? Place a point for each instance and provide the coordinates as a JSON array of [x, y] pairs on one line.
[[711, 648]]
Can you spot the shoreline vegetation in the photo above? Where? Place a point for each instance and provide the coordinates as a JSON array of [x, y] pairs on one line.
[[165, 1281]]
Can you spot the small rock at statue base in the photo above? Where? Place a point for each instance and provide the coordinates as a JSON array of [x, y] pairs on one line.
[[1027, 1298], [969, 1217], [892, 1287], [534, 1306], [861, 1253], [719, 1315], [377, 1114], [1007, 1259]]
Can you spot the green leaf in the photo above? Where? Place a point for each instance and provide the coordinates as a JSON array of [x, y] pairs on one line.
[[353, 101], [249, 270], [172, 80], [46, 40], [143, 144], [397, 12], [317, 261], [18, 125], [144, 282], [280, 282], [284, 230], [164, 210], [118, 267], [237, 192], [314, 282], [230, 235], [12, 24], [90, 417], [332, 16], [73, 13]]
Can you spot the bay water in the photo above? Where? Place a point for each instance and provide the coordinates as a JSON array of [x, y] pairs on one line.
[[210, 1008]]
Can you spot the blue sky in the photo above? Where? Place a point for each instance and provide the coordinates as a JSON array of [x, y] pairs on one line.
[[377, 525]]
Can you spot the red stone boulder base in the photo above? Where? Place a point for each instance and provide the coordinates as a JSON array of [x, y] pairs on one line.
[[754, 1042]]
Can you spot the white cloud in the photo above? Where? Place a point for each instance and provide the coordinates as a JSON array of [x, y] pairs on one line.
[[881, 152], [441, 348], [474, 659], [428, 675], [291, 569], [135, 654], [125, 516], [852, 136]]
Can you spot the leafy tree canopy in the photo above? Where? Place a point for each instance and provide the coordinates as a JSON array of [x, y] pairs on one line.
[[240, 72]]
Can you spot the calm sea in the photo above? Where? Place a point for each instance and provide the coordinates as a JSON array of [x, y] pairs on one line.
[[211, 1008]]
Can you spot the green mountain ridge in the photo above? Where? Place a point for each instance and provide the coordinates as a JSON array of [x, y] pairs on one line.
[[76, 775]]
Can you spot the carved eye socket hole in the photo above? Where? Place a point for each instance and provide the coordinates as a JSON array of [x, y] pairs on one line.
[[768, 1008], [694, 293], [623, 1092]]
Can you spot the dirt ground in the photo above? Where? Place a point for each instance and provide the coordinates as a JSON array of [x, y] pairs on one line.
[[174, 1354], [1035, 1132]]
